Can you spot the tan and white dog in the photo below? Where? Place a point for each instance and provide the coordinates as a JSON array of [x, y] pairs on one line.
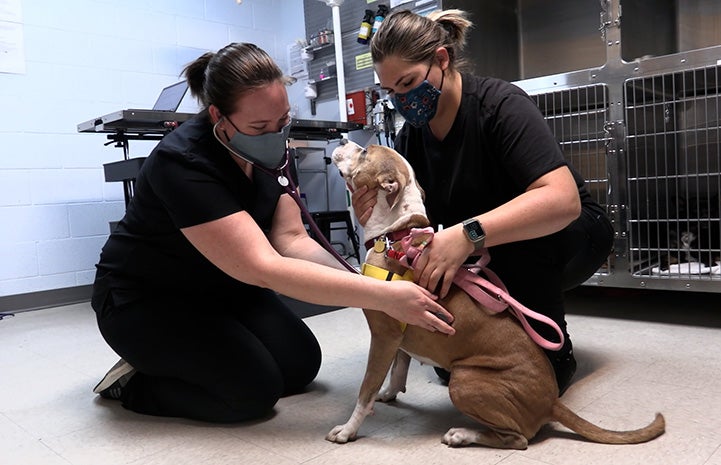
[[499, 376], [400, 199]]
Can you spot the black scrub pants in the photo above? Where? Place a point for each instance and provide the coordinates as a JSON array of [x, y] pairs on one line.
[[538, 272], [226, 359]]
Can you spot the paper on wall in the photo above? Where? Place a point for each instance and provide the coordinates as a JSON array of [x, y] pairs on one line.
[[12, 50]]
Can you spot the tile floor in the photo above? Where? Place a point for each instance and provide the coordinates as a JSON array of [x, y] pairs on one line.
[[639, 353]]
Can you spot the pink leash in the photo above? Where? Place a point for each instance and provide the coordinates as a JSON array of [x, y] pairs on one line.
[[491, 292]]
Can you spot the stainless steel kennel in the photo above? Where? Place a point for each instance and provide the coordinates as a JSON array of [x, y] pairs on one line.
[[646, 135]]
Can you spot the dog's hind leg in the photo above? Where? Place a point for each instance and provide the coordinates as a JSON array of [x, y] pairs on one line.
[[486, 396], [458, 437], [399, 375]]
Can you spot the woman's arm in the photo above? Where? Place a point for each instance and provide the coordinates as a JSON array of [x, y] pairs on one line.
[[548, 205], [237, 246], [290, 238]]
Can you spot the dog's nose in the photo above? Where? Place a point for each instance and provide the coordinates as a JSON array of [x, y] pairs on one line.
[[343, 141]]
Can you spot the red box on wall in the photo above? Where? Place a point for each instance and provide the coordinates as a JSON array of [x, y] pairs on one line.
[[355, 106]]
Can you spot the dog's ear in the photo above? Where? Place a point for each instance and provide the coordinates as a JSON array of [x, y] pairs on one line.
[[393, 183]]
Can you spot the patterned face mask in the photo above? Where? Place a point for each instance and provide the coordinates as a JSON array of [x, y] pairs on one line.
[[418, 106]]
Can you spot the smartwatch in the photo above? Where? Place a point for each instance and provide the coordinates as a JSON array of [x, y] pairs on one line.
[[475, 233]]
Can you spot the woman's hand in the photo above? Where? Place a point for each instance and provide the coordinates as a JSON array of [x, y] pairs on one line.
[[410, 303], [363, 200], [440, 260]]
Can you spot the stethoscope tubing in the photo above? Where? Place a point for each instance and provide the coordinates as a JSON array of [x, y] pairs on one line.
[[291, 189]]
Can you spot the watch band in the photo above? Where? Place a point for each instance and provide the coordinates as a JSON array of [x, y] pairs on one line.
[[475, 233]]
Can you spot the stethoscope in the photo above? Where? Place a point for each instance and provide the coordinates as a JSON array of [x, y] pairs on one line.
[[284, 178]]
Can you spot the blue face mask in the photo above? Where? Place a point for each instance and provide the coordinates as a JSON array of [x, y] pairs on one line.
[[418, 106], [266, 150]]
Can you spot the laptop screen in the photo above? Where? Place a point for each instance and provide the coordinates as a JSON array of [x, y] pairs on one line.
[[170, 98]]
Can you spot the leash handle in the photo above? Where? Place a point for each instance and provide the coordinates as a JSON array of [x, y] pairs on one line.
[[483, 291]]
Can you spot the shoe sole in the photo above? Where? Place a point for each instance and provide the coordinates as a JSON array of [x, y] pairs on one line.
[[116, 372]]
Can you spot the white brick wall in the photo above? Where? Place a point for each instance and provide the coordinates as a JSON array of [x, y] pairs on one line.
[[86, 58]]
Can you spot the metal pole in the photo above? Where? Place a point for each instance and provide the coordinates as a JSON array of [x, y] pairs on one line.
[[340, 71]]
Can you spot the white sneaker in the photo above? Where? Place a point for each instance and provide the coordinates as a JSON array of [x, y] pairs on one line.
[[111, 385]]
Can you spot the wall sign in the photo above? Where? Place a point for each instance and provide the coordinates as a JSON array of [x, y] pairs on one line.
[[363, 61]]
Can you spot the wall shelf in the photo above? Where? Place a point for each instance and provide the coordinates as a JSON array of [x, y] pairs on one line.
[[316, 81], [317, 48]]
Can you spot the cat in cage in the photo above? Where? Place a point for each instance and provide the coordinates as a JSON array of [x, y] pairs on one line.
[[696, 239]]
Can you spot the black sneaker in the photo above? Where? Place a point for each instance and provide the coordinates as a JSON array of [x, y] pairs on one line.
[[111, 386], [565, 367], [443, 374]]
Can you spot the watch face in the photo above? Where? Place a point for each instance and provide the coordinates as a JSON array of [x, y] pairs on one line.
[[474, 230], [473, 234]]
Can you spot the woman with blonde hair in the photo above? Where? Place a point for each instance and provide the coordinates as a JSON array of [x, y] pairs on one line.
[[493, 173]]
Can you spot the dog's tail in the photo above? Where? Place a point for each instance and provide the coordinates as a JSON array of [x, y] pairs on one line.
[[588, 430]]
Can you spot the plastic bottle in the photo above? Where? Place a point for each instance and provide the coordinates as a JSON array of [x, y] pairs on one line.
[[380, 16], [364, 33]]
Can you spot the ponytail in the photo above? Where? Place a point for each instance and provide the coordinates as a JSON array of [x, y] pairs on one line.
[[221, 78], [414, 38]]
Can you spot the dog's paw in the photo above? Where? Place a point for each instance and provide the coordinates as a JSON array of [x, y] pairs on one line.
[[390, 392], [387, 395], [459, 437], [341, 434]]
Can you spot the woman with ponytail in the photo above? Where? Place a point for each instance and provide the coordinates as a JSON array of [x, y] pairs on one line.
[[493, 173], [185, 290]]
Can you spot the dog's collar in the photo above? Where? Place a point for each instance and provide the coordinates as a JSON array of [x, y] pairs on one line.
[[377, 272], [390, 236], [373, 271]]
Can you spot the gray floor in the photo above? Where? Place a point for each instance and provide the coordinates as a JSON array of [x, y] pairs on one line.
[[639, 353]]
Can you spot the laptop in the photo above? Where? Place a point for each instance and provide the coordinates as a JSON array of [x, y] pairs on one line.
[[169, 98]]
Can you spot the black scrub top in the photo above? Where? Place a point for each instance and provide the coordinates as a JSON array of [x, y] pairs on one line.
[[498, 145], [188, 179]]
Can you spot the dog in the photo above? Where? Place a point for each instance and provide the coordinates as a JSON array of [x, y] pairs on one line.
[[499, 376]]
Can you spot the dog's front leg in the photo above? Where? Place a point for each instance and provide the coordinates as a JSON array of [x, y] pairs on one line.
[[386, 337], [399, 375], [348, 431]]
